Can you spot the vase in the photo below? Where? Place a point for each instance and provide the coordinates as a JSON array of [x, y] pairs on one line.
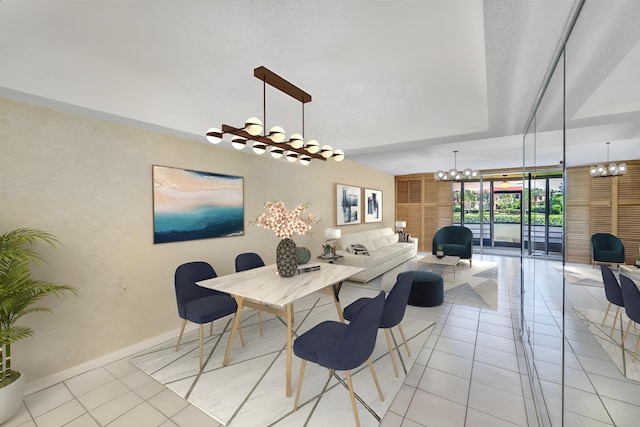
[[287, 258], [303, 254]]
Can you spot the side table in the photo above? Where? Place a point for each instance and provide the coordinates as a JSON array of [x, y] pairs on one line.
[[330, 259]]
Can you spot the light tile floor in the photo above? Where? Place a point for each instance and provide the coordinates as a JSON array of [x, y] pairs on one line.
[[471, 372]]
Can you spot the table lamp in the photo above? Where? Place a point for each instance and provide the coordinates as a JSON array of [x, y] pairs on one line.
[[400, 225], [331, 235]]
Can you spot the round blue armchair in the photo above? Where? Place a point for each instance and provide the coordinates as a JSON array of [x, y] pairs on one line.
[[606, 249], [455, 240]]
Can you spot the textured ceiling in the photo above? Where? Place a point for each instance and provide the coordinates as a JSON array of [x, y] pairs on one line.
[[398, 85]]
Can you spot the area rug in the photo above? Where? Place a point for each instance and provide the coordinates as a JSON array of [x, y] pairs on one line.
[[476, 286], [622, 358], [581, 274], [250, 390]]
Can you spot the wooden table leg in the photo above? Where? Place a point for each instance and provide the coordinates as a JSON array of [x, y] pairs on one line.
[[289, 347], [236, 325], [336, 300]]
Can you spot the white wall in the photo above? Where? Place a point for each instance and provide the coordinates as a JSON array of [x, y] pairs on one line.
[[88, 181]]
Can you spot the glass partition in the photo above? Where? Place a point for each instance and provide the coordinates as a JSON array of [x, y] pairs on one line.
[[542, 283], [582, 367]]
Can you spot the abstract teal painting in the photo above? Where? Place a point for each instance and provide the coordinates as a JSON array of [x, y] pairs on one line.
[[191, 205]]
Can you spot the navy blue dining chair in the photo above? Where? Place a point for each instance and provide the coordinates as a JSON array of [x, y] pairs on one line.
[[248, 261], [631, 296], [393, 313], [613, 293], [339, 346], [198, 304]]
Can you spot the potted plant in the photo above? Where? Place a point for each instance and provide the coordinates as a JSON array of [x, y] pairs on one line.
[[19, 292], [439, 251], [328, 248]]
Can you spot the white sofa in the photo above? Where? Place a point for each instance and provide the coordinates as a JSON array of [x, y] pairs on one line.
[[385, 252]]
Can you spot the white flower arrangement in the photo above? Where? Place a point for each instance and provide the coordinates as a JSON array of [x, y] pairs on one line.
[[286, 223]]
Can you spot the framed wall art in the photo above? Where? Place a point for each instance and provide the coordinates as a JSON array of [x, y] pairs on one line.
[[348, 205], [372, 205], [191, 205]]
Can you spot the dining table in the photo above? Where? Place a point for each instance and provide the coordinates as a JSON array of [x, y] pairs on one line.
[[265, 290]]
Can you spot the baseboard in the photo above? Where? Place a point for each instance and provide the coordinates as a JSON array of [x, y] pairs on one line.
[[58, 377]]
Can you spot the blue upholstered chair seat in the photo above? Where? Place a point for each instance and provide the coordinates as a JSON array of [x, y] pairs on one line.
[[454, 249], [208, 309], [198, 304], [610, 256], [324, 336], [342, 347]]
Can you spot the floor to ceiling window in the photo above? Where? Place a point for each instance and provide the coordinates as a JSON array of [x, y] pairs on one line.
[[508, 213]]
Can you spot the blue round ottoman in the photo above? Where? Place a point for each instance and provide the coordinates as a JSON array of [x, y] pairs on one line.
[[427, 289]]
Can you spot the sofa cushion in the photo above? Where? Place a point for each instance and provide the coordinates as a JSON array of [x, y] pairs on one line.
[[393, 238], [385, 254], [350, 239], [380, 242], [387, 231]]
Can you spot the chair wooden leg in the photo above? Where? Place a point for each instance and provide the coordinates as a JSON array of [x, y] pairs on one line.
[[393, 357], [605, 314], [615, 319], [260, 316], [295, 404], [184, 323], [375, 379], [201, 329], [353, 398], [404, 340], [624, 336]]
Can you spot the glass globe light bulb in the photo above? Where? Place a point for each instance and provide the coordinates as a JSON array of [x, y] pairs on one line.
[[312, 146], [276, 134], [305, 160], [338, 155], [253, 126], [238, 143], [214, 135], [276, 152], [622, 168], [326, 151], [296, 140], [259, 147], [292, 156]]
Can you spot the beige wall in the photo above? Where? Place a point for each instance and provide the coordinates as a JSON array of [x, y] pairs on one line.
[[88, 182]]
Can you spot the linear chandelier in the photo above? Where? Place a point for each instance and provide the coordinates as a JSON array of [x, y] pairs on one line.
[[455, 174], [293, 149], [612, 169]]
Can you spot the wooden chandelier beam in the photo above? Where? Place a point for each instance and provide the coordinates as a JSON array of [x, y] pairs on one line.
[[283, 145], [272, 79]]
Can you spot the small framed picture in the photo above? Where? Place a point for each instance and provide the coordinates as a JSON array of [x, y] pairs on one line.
[[372, 205], [348, 205]]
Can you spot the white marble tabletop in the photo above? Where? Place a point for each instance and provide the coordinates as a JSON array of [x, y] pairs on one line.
[[264, 285]]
